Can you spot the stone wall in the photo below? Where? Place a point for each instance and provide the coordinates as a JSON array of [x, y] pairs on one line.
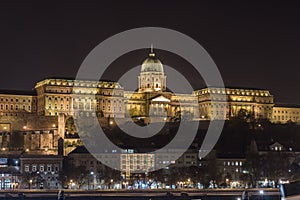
[[29, 122]]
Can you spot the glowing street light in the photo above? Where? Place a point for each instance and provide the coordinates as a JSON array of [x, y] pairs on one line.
[[30, 183], [261, 192]]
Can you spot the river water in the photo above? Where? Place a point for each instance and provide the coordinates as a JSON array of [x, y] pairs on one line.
[[210, 197]]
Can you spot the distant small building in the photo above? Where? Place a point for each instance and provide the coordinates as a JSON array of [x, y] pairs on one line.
[[10, 176], [41, 171], [231, 168]]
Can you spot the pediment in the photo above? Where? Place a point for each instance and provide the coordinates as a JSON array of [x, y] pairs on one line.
[[161, 99]]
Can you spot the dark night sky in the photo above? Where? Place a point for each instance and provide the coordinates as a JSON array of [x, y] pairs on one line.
[[254, 44]]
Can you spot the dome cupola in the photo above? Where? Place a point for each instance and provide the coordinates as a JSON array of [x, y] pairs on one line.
[[152, 64]]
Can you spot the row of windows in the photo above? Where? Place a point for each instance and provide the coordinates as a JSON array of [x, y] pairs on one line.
[[67, 99], [149, 79], [55, 98], [102, 93], [16, 100], [87, 107], [13, 107], [223, 106], [235, 92], [61, 91], [282, 111], [84, 84], [232, 163], [277, 148], [285, 118], [41, 168]]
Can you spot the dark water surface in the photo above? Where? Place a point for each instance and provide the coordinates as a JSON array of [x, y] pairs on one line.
[[210, 197]]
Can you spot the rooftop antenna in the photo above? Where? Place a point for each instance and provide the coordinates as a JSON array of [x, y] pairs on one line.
[[151, 54]]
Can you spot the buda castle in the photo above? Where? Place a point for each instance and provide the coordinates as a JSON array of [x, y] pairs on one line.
[[57, 99]]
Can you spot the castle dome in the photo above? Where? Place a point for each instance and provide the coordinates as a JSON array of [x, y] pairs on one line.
[[152, 64]]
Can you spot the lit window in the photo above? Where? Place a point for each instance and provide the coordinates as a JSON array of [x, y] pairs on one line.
[[26, 168], [41, 168], [48, 168]]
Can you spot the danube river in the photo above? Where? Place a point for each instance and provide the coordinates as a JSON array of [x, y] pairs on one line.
[[138, 195]]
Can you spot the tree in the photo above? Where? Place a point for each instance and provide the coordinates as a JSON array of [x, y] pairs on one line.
[[275, 165], [252, 169], [77, 174]]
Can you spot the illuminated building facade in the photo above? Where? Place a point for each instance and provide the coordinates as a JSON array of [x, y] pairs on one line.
[[41, 171], [152, 97], [65, 98], [72, 97], [13, 103], [224, 103], [286, 113]]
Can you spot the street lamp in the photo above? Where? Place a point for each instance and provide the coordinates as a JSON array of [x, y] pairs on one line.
[[92, 174], [111, 181], [30, 183], [71, 181]]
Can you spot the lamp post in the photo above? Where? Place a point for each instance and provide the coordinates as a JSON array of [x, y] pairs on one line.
[[111, 182], [92, 174], [71, 181], [30, 183]]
